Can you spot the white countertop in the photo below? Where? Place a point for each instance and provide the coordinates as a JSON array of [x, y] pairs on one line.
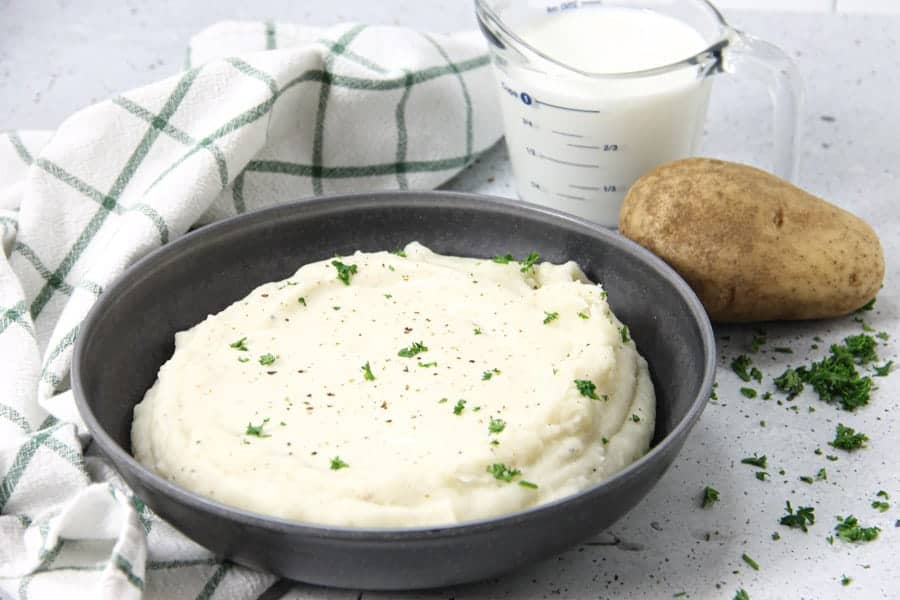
[[56, 57]]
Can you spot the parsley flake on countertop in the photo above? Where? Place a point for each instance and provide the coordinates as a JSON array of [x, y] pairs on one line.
[[741, 366], [489, 374], [756, 461], [880, 505], [846, 438], [710, 497], [529, 261], [267, 359], [344, 272], [414, 349], [503, 472], [752, 563], [503, 259], [496, 425], [884, 370], [241, 345], [789, 382], [587, 388], [367, 372], [747, 392], [257, 430], [549, 317], [761, 475], [845, 581], [804, 516], [741, 595], [338, 464], [849, 530], [459, 406]]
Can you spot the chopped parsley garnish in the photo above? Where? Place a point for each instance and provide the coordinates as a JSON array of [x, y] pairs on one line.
[[367, 372], [845, 581], [528, 484], [790, 382], [849, 530], [750, 562], [624, 334], [344, 272], [243, 359], [257, 430], [549, 317], [337, 464], [741, 366], [884, 369], [267, 359], [587, 388], [428, 365], [835, 378], [776, 536], [488, 374], [388, 296], [710, 497], [747, 392], [399, 252], [504, 259], [867, 306], [583, 315], [761, 475], [806, 479], [883, 494], [756, 461], [241, 345], [880, 506], [529, 261], [846, 438], [503, 472], [302, 300], [741, 595], [459, 406], [804, 516], [477, 331], [822, 474], [635, 418], [442, 401], [410, 351], [496, 425], [757, 343]]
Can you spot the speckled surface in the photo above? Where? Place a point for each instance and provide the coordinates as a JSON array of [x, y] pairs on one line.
[[58, 56]]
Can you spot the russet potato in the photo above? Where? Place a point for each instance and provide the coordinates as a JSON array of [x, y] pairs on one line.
[[752, 246]]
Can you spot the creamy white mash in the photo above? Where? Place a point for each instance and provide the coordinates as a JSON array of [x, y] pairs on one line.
[[381, 390]]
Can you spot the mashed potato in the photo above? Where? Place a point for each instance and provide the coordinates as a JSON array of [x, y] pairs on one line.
[[399, 390]]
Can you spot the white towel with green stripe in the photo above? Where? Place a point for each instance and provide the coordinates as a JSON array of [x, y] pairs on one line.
[[264, 114]]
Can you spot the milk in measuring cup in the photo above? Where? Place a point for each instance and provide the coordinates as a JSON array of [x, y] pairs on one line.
[[578, 142]]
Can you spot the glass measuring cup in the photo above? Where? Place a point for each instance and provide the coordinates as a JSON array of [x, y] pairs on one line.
[[578, 140]]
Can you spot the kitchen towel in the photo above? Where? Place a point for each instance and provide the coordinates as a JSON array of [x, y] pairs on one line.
[[263, 114]]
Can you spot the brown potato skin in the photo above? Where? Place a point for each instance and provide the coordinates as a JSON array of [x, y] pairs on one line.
[[752, 246]]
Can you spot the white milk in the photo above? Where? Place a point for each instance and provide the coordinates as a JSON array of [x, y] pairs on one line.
[[578, 143]]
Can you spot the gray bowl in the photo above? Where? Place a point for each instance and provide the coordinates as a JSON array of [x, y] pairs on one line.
[[130, 333]]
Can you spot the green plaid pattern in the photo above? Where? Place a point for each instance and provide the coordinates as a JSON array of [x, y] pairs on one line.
[[264, 113]]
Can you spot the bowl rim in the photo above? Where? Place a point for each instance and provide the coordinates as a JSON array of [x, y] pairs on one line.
[[360, 201]]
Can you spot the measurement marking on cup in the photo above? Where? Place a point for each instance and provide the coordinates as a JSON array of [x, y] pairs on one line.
[[566, 162], [586, 188], [567, 134], [583, 110], [570, 197], [584, 146]]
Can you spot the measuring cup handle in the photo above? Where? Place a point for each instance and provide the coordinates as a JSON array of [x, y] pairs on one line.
[[766, 62]]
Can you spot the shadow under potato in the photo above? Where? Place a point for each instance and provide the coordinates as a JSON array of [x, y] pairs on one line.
[[130, 333]]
